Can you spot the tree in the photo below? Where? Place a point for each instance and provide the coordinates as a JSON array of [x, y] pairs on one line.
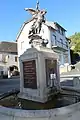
[[77, 47], [75, 41]]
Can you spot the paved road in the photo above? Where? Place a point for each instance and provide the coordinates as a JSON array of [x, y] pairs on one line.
[[9, 84]]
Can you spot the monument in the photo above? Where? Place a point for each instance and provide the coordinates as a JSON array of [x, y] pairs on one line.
[[39, 81], [39, 69], [38, 18]]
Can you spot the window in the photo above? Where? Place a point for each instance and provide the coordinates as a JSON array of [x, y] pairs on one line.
[[62, 32], [8, 56], [22, 45], [60, 58], [15, 59], [54, 37], [58, 29], [66, 44], [61, 41], [66, 58], [54, 40]]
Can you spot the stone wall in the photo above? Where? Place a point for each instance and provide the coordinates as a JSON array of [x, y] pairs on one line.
[[71, 112], [65, 68]]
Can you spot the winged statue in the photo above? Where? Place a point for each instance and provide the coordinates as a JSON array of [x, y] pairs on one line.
[[38, 16], [31, 10]]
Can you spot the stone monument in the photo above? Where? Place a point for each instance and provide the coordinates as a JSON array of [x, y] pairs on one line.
[[34, 32], [39, 80], [39, 69]]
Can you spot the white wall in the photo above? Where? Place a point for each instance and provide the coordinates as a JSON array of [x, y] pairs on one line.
[[46, 33], [23, 38]]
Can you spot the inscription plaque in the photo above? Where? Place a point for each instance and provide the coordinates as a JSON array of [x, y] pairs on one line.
[[29, 73]]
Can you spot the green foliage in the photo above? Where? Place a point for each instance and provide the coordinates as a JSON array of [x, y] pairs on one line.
[[75, 41], [77, 47]]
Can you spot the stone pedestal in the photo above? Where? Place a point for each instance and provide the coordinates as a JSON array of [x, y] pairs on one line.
[[39, 74]]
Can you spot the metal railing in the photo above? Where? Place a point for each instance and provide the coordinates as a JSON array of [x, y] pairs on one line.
[[61, 44]]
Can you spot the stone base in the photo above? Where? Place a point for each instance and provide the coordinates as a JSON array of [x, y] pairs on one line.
[[32, 105], [31, 97]]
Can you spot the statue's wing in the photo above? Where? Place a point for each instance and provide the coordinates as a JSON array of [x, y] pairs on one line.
[[32, 11]]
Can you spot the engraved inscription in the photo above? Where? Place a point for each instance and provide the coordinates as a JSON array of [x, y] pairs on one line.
[[29, 73]]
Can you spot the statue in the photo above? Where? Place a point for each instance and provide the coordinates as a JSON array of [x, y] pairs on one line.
[[39, 21], [38, 16]]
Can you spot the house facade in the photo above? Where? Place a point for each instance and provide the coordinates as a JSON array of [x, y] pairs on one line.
[[8, 56], [55, 34]]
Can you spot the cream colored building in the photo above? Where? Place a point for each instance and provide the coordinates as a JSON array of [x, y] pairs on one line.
[[8, 56]]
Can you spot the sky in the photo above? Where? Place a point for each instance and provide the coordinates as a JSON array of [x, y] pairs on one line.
[[12, 15]]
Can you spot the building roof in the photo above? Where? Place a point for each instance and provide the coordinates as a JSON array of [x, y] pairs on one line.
[[59, 26], [8, 47], [22, 27], [48, 23]]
